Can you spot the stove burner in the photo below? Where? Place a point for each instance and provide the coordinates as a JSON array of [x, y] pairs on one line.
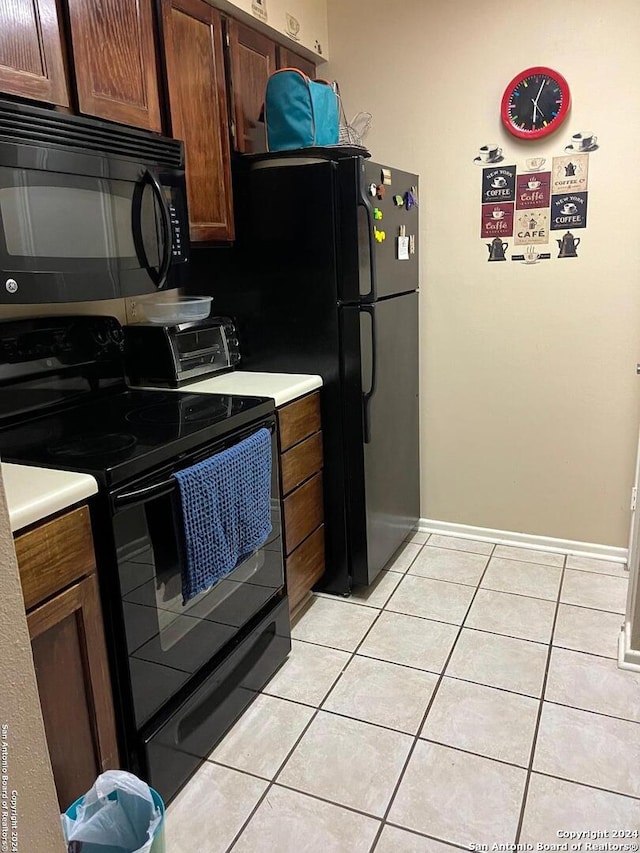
[[177, 413], [103, 445]]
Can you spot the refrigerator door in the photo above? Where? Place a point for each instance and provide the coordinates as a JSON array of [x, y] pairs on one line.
[[379, 223], [381, 429]]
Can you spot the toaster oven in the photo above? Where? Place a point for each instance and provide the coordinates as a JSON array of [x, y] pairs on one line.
[[168, 356]]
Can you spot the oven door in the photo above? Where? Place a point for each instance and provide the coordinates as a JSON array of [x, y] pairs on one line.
[[66, 236], [167, 642]]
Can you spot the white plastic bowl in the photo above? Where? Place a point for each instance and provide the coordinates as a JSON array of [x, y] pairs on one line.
[[185, 309]]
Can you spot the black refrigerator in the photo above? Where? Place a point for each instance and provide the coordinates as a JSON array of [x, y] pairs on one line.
[[324, 279]]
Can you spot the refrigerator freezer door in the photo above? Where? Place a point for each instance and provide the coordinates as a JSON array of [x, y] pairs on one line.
[[386, 221], [372, 217], [384, 472]]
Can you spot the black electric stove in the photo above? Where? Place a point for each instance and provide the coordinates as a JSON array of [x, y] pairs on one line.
[[122, 433], [181, 673]]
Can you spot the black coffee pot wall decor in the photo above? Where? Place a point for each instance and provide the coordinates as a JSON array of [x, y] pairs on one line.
[[568, 246], [497, 249]]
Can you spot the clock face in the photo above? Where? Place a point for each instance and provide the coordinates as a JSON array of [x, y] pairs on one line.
[[535, 103]]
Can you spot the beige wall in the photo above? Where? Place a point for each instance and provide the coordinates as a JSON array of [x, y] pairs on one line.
[[529, 394], [28, 766], [310, 14]]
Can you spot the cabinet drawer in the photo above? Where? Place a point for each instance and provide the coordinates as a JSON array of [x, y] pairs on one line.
[[298, 420], [299, 463], [305, 567], [52, 556], [303, 512]]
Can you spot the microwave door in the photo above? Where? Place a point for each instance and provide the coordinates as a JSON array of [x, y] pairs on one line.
[[151, 226]]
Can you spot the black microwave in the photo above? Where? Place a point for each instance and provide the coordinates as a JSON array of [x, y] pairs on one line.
[[88, 209]]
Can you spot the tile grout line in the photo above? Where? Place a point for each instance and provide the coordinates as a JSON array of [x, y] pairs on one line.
[[451, 678], [495, 545], [470, 628], [314, 716], [416, 738], [432, 699], [588, 785], [525, 792]]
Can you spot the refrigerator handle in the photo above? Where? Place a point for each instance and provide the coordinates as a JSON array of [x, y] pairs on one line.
[[363, 202], [366, 397]]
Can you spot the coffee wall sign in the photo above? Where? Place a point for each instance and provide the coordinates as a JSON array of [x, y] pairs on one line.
[[535, 205], [259, 9]]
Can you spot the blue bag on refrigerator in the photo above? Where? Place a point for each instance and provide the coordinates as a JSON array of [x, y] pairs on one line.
[[299, 112]]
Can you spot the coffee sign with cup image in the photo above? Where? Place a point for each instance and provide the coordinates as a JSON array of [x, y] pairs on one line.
[[569, 211], [498, 184], [534, 164], [582, 142], [533, 190], [497, 220], [489, 153]]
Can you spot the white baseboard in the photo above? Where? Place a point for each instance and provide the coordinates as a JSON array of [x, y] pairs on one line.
[[628, 658], [525, 540]]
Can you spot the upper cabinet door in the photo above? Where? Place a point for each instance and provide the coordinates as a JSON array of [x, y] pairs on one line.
[[199, 113], [288, 59], [31, 63], [253, 59], [115, 60]]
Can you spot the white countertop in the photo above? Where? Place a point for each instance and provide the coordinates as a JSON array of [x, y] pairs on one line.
[[281, 387], [35, 493]]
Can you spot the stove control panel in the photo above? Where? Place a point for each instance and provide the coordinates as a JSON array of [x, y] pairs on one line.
[[41, 345]]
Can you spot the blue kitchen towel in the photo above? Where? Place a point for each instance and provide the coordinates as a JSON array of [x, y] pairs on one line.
[[226, 511]]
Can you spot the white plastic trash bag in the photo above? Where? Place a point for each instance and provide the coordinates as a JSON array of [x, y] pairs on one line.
[[118, 815]]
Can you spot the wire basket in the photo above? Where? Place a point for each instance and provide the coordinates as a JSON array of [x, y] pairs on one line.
[[353, 132]]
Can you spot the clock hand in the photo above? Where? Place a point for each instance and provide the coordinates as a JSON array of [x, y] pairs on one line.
[[535, 107], [539, 91]]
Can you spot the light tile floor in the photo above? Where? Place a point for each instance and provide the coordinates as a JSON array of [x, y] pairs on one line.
[[471, 696]]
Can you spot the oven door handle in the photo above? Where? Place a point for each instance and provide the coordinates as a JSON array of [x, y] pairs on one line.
[[158, 276], [165, 487], [156, 490]]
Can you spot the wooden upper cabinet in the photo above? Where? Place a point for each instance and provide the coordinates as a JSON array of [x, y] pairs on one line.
[[115, 60], [31, 59], [253, 59], [192, 32], [288, 59]]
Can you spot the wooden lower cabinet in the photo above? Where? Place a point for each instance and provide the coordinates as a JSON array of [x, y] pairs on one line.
[[305, 567], [301, 461], [69, 653]]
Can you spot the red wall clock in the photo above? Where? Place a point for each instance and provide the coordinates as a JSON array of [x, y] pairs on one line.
[[535, 103]]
